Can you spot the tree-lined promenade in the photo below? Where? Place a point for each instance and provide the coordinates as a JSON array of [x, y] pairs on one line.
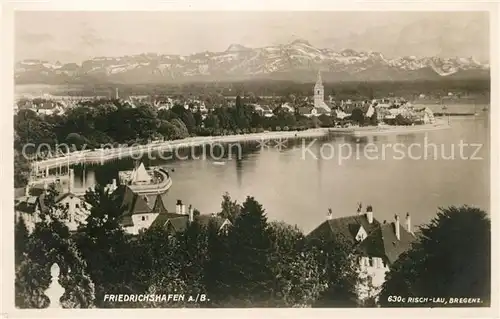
[[110, 152], [257, 263]]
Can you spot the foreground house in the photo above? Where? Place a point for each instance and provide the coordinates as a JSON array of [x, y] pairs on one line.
[[71, 209], [179, 221], [142, 212], [378, 245]]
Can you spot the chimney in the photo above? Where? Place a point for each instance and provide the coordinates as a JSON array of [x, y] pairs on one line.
[[183, 209], [369, 214], [360, 206], [330, 214], [396, 227], [408, 223], [27, 191], [178, 207], [71, 180], [191, 213]]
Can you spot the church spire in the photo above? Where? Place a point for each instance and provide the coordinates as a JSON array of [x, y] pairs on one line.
[[319, 81]]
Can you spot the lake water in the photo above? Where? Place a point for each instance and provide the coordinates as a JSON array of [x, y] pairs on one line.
[[298, 185]]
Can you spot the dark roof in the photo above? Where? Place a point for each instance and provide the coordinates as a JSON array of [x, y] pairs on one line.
[[59, 197], [381, 239], [321, 110], [47, 105], [19, 192], [305, 109], [27, 204], [140, 206], [134, 203], [159, 206], [128, 196], [205, 220], [179, 222], [346, 227], [162, 219], [39, 189], [392, 246]]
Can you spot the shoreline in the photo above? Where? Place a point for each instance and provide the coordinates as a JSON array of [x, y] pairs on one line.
[[100, 156], [104, 155], [398, 129]]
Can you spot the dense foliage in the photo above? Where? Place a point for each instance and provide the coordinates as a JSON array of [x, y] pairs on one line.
[[451, 259], [255, 263], [112, 123]]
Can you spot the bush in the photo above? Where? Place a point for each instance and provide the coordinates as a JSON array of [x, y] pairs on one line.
[[278, 128]]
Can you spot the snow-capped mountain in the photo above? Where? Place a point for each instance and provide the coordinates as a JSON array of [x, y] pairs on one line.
[[298, 60]]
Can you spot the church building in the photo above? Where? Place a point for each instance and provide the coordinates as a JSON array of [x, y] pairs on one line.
[[319, 95]]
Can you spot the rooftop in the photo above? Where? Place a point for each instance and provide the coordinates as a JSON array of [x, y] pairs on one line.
[[381, 240]]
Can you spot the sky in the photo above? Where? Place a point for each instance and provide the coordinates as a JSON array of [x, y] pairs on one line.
[[76, 36]]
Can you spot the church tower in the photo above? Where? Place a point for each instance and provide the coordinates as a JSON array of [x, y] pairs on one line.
[[319, 92]]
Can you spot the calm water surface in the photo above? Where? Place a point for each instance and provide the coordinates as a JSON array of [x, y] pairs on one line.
[[298, 187]]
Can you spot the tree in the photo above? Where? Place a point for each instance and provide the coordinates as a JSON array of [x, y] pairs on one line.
[[212, 121], [374, 118], [103, 243], [229, 208], [161, 265], [296, 271], [21, 235], [21, 169], [358, 116], [248, 275], [340, 272], [401, 120], [218, 260], [198, 118], [75, 139], [326, 121], [451, 259]]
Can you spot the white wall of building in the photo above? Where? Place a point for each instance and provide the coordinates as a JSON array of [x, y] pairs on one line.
[[141, 221], [372, 275]]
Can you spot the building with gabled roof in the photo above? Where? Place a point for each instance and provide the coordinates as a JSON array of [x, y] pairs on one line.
[[179, 221], [139, 211], [71, 209], [378, 245]]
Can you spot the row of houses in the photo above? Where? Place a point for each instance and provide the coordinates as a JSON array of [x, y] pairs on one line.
[[140, 212]]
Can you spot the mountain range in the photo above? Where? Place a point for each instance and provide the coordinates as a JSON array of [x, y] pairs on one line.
[[297, 61]]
